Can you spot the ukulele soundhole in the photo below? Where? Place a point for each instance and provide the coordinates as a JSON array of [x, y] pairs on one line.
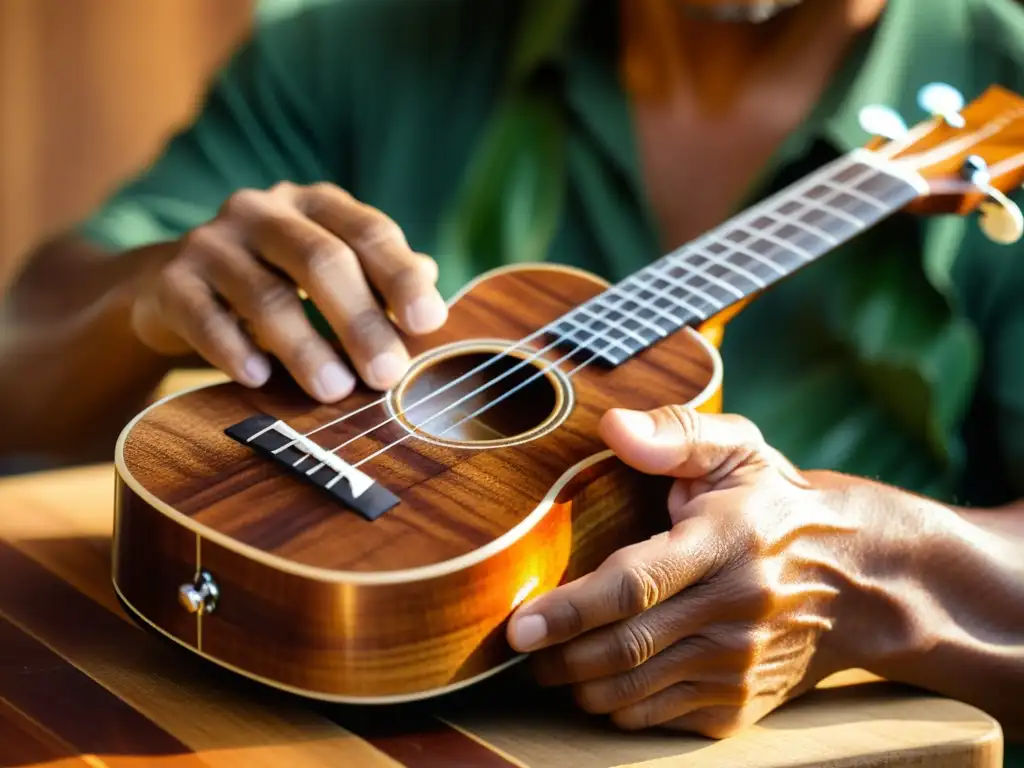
[[480, 394]]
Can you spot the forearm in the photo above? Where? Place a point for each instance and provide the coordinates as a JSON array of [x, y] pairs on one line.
[[941, 601], [71, 371]]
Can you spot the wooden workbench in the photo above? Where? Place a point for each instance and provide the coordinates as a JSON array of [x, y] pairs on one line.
[[80, 685]]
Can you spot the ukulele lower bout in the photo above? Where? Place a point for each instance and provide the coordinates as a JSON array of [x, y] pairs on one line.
[[502, 489]]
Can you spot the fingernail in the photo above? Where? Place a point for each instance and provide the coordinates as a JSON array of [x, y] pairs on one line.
[[386, 369], [333, 382], [638, 422], [528, 632], [256, 371], [426, 314]]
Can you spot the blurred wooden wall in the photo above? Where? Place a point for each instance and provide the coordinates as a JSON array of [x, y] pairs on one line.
[[89, 89]]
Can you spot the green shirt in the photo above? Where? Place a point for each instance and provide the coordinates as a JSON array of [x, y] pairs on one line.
[[896, 357], [900, 356]]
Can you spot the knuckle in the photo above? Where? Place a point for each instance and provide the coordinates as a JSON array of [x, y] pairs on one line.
[[366, 326], [704, 645], [307, 352], [172, 284], [323, 197], [270, 302], [325, 188], [570, 618], [637, 590], [243, 203], [202, 240], [322, 261], [210, 326], [591, 699], [422, 270], [604, 696], [686, 419], [374, 230], [283, 187], [634, 644], [302, 355], [762, 594]]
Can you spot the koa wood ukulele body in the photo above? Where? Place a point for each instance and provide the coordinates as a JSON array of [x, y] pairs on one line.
[[372, 551]]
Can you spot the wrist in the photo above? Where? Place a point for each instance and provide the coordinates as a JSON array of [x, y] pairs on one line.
[[885, 537]]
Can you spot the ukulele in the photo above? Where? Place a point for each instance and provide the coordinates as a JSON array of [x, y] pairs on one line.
[[372, 551]]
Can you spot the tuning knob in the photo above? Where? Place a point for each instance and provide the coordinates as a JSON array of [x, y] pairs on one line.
[[201, 595], [882, 121], [942, 100], [1001, 218]]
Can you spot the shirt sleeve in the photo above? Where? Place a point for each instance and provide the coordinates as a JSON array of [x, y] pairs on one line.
[[263, 120]]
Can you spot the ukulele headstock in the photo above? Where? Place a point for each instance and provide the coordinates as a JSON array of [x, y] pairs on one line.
[[971, 157]]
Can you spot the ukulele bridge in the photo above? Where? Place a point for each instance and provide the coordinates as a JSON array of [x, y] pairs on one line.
[[305, 459]]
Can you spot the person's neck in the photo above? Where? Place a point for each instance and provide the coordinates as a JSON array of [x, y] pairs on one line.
[[719, 59]]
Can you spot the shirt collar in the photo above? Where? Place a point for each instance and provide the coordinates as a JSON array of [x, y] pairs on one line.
[[914, 43]]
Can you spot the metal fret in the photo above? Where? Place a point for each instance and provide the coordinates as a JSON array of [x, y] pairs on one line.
[[781, 243], [854, 192], [692, 269], [801, 219], [598, 333], [746, 247], [779, 235], [638, 318], [755, 280], [676, 301], [824, 210], [654, 307], [608, 319]]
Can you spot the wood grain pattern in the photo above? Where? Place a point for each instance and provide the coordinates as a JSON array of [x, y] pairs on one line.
[[55, 546], [313, 618], [453, 500]]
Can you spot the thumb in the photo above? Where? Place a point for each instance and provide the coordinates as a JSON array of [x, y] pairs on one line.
[[678, 441]]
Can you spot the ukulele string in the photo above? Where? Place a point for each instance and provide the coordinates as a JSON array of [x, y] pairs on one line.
[[478, 412], [558, 340], [587, 328], [840, 164], [503, 354], [609, 292]]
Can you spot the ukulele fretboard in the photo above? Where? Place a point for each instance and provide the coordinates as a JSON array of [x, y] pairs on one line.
[[743, 256]]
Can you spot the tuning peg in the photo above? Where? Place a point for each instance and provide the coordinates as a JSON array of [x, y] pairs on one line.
[[1001, 218], [942, 100], [882, 121]]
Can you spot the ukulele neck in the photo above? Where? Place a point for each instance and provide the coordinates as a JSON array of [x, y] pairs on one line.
[[742, 257]]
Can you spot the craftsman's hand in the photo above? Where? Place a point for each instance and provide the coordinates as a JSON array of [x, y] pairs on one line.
[[711, 625], [230, 292]]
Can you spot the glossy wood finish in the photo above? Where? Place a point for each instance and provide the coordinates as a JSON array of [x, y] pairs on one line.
[[81, 686], [993, 131], [320, 601], [311, 598]]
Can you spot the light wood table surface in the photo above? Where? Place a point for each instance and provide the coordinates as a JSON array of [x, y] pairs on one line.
[[80, 685]]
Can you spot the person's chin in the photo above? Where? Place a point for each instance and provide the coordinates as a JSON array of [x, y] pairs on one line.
[[751, 11]]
